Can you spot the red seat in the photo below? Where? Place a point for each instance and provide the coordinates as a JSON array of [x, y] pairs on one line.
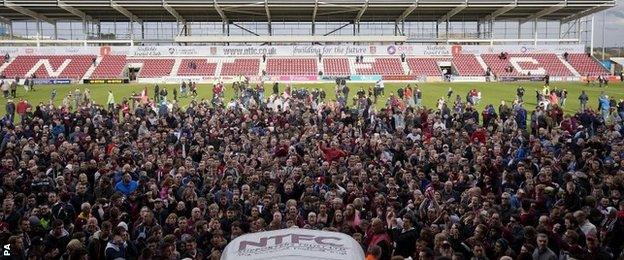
[[203, 68], [154, 68], [467, 65], [288, 66], [336, 67], [585, 65], [111, 66], [380, 66], [423, 67], [76, 66], [245, 67]]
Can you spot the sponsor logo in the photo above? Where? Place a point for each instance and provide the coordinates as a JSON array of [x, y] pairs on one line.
[[29, 50], [437, 50], [456, 49], [391, 49], [249, 51], [300, 242], [51, 81], [105, 81], [147, 51], [106, 50]]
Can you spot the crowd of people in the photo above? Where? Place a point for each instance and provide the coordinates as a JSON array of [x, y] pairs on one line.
[[154, 180]]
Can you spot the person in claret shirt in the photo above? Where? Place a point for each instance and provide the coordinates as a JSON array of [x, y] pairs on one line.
[[332, 153]]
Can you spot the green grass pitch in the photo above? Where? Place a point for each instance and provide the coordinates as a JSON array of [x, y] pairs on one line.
[[492, 93]]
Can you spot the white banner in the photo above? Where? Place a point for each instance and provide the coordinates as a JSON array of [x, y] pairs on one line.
[[289, 51], [293, 243], [468, 79]]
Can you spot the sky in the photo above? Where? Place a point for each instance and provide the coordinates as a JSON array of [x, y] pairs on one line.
[[613, 25]]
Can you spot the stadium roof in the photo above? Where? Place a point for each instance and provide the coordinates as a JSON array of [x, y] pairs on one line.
[[298, 10]]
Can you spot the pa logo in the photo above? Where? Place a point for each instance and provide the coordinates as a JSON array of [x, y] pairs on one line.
[[6, 250]]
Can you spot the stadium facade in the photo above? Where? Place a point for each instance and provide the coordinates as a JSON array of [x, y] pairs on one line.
[[297, 40]]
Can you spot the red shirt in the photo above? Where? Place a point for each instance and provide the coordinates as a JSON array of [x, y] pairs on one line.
[[332, 154], [21, 107]]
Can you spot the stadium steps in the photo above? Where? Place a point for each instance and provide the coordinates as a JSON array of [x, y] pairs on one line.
[[6, 64], [352, 69], [482, 62], [320, 66], [176, 67], [572, 69], [406, 68], [263, 66], [90, 71], [219, 66]]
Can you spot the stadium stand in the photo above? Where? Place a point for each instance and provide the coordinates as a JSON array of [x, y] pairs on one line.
[[552, 64], [240, 66], [111, 66], [336, 66], [548, 61], [154, 68], [423, 67], [291, 66], [467, 65], [380, 66], [585, 65], [75, 66], [197, 67]]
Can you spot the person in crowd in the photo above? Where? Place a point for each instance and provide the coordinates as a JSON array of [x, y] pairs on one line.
[[163, 181]]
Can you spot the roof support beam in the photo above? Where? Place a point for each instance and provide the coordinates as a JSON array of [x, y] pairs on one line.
[[245, 29], [220, 11], [361, 12], [27, 12], [73, 10], [408, 11], [266, 9], [316, 4], [125, 12], [586, 13], [545, 12], [268, 14], [501, 11], [452, 13], [173, 12]]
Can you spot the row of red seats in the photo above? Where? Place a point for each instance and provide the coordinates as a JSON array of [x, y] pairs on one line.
[[112, 66]]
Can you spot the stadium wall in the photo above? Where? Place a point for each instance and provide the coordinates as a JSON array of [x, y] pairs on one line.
[[290, 51]]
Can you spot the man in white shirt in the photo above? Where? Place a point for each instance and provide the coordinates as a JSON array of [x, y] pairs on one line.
[[587, 227]]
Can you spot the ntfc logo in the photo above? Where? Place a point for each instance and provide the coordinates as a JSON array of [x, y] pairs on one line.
[[456, 49], [391, 49], [105, 50], [373, 49], [171, 50], [213, 50]]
